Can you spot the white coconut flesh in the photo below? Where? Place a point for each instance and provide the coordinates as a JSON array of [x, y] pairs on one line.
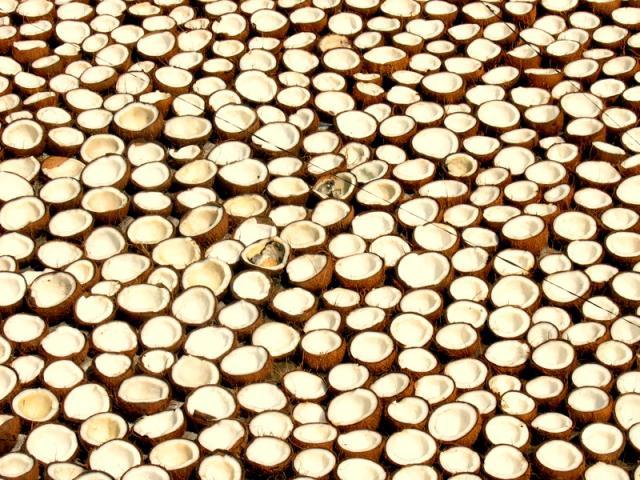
[[63, 341], [58, 253], [505, 462], [627, 382], [197, 171], [540, 333], [149, 230], [417, 360], [251, 285], [566, 286], [23, 327], [151, 175], [584, 333], [552, 422], [559, 455], [452, 421], [315, 433], [21, 212], [306, 267], [271, 424], [196, 197], [359, 440], [601, 468], [341, 297], [508, 353], [347, 376], [143, 389], [591, 375], [575, 226], [356, 125], [103, 243], [308, 412], [115, 457], [409, 410], [279, 339], [83, 270], [509, 322], [603, 438], [212, 401], [303, 234], [64, 470], [209, 274], [115, 336], [39, 440], [627, 285], [544, 387], [245, 206], [613, 353], [191, 372], [553, 354], [159, 424], [456, 336], [104, 171], [93, 309], [62, 374], [125, 267], [157, 361], [17, 246], [22, 134], [86, 400], [268, 452], [5, 350], [624, 409], [359, 266], [261, 397], [251, 230], [371, 347], [294, 301], [467, 373], [222, 435], [143, 298], [152, 280], [360, 468], [28, 367], [14, 186], [383, 297], [36, 405], [174, 454], [13, 465], [187, 128], [102, 428], [245, 360], [515, 290], [352, 407], [194, 306], [507, 430], [222, 466], [104, 199], [200, 220], [314, 461], [159, 332], [365, 318], [459, 460]]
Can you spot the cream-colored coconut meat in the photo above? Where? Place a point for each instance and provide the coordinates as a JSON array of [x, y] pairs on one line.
[[361, 240]]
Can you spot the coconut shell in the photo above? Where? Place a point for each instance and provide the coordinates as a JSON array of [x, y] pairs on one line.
[[547, 472], [326, 361], [9, 431], [601, 415], [137, 409], [255, 377]]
